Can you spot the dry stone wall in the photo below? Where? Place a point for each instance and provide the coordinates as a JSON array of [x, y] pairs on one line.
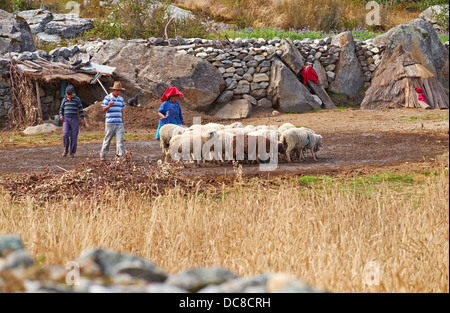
[[245, 64]]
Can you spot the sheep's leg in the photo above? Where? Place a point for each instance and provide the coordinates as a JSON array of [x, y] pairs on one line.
[[300, 154], [314, 155], [288, 155]]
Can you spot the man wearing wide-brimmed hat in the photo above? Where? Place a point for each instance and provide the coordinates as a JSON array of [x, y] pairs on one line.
[[113, 105]]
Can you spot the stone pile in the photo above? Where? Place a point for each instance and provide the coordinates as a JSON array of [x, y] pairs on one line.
[[106, 271], [5, 88], [369, 56], [53, 28]]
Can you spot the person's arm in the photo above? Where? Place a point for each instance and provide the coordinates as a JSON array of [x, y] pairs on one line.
[[61, 111], [162, 111], [80, 110], [107, 103]]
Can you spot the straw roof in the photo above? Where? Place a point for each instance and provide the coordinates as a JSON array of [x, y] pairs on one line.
[[394, 83], [53, 71]]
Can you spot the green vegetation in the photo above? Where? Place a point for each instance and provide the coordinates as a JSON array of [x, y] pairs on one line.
[[428, 116]]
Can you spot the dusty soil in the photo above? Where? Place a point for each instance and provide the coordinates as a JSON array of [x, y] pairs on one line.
[[355, 142]]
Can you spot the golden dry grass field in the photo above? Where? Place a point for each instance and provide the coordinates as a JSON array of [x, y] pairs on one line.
[[385, 229]]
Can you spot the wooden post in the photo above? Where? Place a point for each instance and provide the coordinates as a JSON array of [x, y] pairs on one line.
[[38, 96]]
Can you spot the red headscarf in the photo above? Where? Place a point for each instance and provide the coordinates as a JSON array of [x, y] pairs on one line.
[[171, 91], [420, 95], [309, 73]]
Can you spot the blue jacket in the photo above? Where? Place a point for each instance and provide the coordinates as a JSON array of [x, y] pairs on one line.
[[175, 115]]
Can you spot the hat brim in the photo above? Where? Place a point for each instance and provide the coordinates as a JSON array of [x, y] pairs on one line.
[[117, 88]]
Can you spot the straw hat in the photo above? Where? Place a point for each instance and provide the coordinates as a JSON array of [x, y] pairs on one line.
[[117, 86]]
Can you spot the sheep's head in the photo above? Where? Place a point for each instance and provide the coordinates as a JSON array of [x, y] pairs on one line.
[[318, 143], [281, 147]]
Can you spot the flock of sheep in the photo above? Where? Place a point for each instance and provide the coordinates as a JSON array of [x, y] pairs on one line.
[[220, 143]]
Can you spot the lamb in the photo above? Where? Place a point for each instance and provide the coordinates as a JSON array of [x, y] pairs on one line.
[[299, 140], [166, 133]]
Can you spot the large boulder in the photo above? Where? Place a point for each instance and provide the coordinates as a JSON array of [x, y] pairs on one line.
[[15, 34], [68, 25], [286, 92], [235, 109], [37, 19], [431, 15], [348, 74], [420, 39], [150, 70], [291, 56]]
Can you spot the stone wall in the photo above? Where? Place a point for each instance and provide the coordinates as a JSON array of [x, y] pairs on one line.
[[5, 88], [245, 66]]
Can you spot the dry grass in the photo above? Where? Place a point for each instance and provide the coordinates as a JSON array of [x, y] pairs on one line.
[[297, 14], [325, 234]]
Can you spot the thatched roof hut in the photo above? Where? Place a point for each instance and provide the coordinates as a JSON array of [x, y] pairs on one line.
[[395, 83]]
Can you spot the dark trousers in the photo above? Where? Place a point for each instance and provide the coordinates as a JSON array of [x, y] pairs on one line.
[[71, 129]]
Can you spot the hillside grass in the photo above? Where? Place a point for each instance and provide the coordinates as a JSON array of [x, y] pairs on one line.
[[251, 18], [324, 230]]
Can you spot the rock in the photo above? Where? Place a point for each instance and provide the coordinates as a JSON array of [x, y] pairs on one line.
[[112, 263], [421, 40], [45, 128], [260, 77], [285, 283], [10, 243], [195, 279], [15, 35], [235, 109], [349, 74], [321, 72], [291, 56], [264, 103], [68, 25], [150, 70], [225, 97], [286, 92], [37, 19], [429, 15], [17, 258]]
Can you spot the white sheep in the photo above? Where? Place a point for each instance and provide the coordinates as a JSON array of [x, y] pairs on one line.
[[166, 132], [234, 125], [300, 140], [220, 147], [189, 145], [267, 133], [284, 126]]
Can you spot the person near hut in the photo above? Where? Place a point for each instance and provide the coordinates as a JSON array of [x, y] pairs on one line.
[[421, 98], [113, 104], [71, 114], [170, 109]]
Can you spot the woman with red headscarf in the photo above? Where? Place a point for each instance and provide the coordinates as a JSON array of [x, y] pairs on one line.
[[170, 110]]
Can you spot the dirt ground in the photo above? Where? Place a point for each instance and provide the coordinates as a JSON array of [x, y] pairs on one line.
[[355, 142]]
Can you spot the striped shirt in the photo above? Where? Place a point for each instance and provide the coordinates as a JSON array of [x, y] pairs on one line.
[[71, 108], [114, 113]]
